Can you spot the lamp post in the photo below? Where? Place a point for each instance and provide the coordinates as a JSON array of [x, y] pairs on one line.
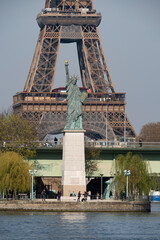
[[32, 173], [127, 173], [101, 185], [124, 128], [108, 99], [106, 127]]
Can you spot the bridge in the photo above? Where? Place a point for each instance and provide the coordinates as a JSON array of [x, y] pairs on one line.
[[49, 156], [49, 161]]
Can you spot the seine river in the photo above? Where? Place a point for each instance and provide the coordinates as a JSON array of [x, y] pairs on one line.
[[111, 226]]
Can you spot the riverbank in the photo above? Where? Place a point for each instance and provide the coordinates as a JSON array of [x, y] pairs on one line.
[[68, 206]]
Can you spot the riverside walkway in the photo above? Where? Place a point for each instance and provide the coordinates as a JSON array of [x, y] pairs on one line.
[[74, 206]]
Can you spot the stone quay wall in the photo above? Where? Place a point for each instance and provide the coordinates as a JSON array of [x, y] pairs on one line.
[[89, 206]]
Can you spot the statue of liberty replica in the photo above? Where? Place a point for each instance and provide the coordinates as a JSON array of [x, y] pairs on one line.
[[73, 170], [75, 99]]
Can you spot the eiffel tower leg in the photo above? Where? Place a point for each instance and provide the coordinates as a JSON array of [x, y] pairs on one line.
[[83, 70], [94, 61], [34, 61], [43, 67]]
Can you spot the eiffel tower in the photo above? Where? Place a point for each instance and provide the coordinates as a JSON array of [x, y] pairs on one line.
[[68, 21]]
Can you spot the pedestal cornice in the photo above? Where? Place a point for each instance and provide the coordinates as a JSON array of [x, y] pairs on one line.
[[74, 131]]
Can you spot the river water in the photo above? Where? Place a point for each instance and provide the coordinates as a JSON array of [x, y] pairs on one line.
[[110, 226]]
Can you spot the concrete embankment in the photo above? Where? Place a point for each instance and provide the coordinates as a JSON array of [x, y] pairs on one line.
[[89, 206]]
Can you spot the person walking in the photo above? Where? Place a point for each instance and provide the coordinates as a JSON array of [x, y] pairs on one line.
[[59, 196], [85, 197], [43, 193], [79, 196], [73, 194], [97, 196], [140, 142], [123, 195], [55, 141]]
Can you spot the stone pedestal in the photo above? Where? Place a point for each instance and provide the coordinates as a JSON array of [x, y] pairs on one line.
[[73, 172]]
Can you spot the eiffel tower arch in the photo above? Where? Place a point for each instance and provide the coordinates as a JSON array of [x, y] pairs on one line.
[[67, 21]]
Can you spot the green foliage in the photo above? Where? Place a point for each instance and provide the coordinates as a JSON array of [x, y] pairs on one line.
[[18, 134], [36, 165], [150, 132], [156, 182], [16, 130], [139, 181], [91, 160], [14, 173]]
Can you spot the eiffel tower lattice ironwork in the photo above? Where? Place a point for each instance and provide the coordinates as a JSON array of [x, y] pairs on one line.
[[67, 21]]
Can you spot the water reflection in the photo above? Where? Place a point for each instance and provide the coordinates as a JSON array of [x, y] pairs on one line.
[[155, 207], [73, 217], [95, 226]]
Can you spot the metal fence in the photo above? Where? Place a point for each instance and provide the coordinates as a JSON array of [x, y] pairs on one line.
[[91, 143], [118, 144]]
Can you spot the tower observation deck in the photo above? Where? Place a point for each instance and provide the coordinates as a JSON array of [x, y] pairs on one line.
[[51, 16], [66, 21]]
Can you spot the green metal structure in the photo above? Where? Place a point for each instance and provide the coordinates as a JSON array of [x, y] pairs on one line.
[[50, 160]]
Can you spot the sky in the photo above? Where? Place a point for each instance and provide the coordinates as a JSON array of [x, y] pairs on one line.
[[130, 36]]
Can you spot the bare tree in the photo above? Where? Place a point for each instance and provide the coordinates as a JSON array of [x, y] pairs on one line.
[[150, 132], [6, 112]]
